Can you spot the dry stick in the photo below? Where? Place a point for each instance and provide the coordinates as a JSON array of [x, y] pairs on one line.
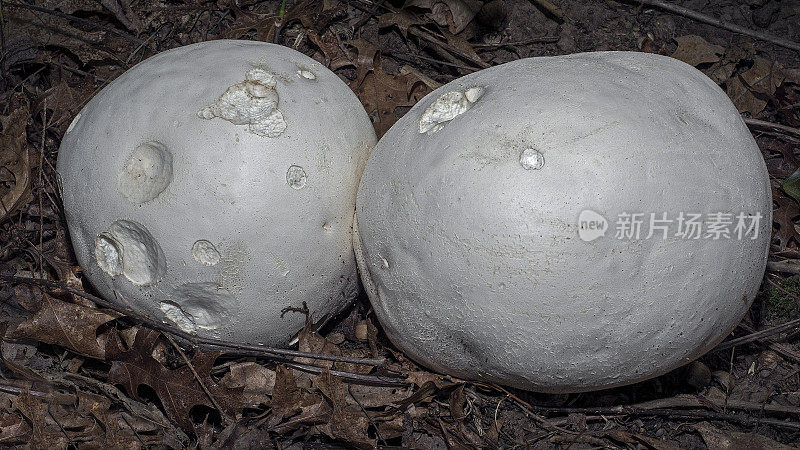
[[57, 397], [40, 188], [776, 126], [782, 266], [551, 9], [227, 419], [263, 350], [685, 12], [374, 379], [780, 349], [540, 40], [757, 335], [79, 20], [651, 409]]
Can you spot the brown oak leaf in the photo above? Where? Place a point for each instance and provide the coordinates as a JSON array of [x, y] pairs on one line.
[[68, 325], [783, 215], [380, 93], [695, 50], [178, 389], [347, 422], [14, 163]]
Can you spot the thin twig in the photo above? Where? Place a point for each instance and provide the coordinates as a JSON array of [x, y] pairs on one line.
[[700, 17], [136, 433], [778, 348], [783, 266], [550, 9], [539, 40], [86, 22], [758, 335], [664, 407], [771, 125], [371, 379], [51, 398], [227, 419], [263, 350]]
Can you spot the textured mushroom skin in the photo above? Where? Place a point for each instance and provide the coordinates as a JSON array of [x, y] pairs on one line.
[[474, 264], [263, 245]]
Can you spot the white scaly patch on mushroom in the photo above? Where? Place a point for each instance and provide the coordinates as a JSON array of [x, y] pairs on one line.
[[178, 316], [72, 124], [447, 107], [296, 177], [305, 72], [200, 306], [477, 269], [531, 159], [253, 102], [146, 173], [127, 248], [205, 253]]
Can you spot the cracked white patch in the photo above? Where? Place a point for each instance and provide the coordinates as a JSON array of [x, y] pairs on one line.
[[176, 314], [447, 107], [146, 173], [199, 306], [205, 253], [306, 73], [107, 251], [253, 102], [128, 249], [296, 177], [72, 124], [531, 159]]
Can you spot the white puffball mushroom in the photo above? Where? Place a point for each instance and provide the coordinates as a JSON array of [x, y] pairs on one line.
[[213, 186], [491, 233]]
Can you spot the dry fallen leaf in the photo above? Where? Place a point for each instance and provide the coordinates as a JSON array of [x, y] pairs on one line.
[[749, 89], [381, 93], [743, 98], [68, 325], [178, 389], [42, 31], [764, 77], [293, 406], [403, 20], [717, 439], [695, 50], [347, 422], [14, 161], [783, 215], [257, 382], [13, 429], [453, 14]]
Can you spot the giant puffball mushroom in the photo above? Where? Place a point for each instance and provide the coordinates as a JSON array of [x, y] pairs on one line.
[[491, 234], [213, 186]]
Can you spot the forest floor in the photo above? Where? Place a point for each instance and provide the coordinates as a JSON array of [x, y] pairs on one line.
[[76, 374]]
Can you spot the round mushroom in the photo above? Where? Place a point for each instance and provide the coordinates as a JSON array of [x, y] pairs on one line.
[[213, 186], [564, 224]]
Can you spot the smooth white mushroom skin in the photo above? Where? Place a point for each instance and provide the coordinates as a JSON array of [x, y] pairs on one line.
[[178, 199], [468, 242]]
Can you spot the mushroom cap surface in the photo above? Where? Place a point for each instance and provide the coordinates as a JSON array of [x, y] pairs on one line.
[[213, 186], [486, 231]]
